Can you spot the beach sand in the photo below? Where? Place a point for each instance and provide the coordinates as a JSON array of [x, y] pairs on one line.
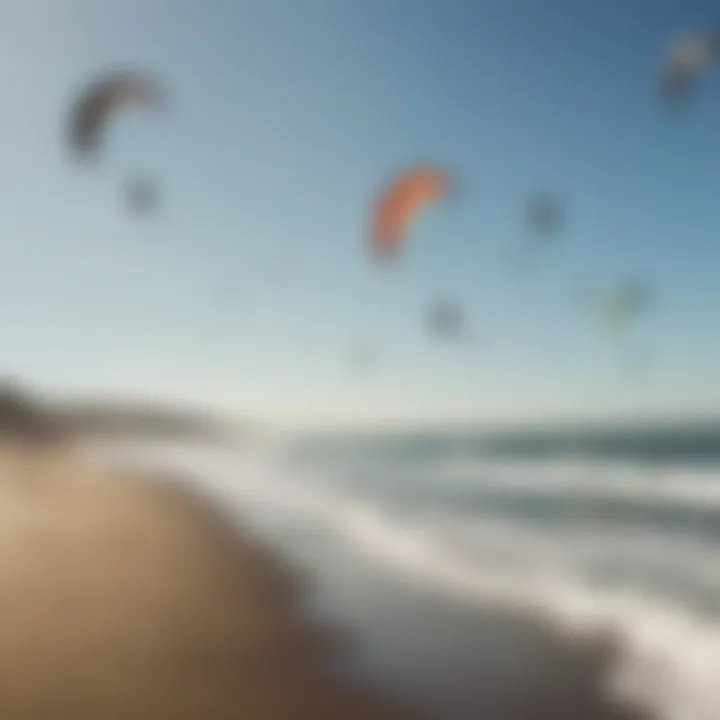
[[124, 597]]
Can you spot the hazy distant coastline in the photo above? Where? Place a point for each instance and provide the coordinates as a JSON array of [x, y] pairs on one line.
[[29, 414], [693, 441]]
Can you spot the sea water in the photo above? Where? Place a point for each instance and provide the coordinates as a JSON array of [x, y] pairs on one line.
[[596, 532]]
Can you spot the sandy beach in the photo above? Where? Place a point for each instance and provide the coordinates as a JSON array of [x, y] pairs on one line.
[[124, 598]]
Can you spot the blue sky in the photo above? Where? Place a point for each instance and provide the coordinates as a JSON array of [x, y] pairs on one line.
[[251, 288]]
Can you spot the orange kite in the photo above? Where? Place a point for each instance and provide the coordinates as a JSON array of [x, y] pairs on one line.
[[398, 204]]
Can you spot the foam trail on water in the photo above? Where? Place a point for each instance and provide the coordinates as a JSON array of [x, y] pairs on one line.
[[669, 659]]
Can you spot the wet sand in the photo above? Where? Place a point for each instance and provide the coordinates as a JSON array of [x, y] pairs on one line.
[[122, 597]]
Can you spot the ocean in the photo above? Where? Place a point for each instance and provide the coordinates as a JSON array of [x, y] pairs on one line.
[[594, 533]]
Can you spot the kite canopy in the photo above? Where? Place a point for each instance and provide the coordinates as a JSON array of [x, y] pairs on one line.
[[544, 216], [103, 98], [445, 319], [624, 304], [142, 195], [398, 205], [686, 59]]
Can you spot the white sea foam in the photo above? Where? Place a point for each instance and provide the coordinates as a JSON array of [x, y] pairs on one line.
[[670, 644]]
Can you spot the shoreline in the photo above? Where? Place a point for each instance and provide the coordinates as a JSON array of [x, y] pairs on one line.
[[124, 597], [129, 594], [457, 659]]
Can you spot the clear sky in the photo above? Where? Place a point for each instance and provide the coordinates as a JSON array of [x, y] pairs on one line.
[[251, 287]]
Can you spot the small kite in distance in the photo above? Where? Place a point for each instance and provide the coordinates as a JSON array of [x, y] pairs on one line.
[[398, 205], [445, 319], [100, 100], [544, 216], [142, 196], [624, 304], [687, 58]]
